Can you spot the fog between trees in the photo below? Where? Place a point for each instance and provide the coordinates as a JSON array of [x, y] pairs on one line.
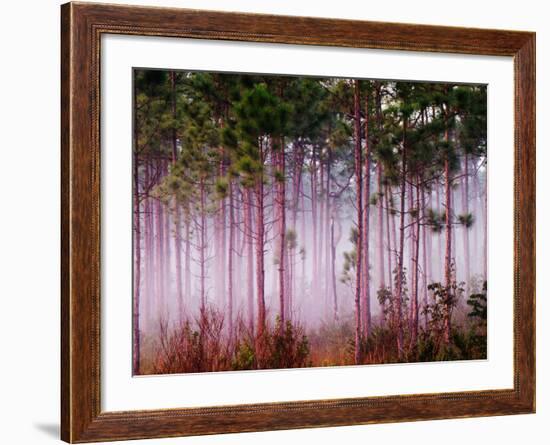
[[291, 221]]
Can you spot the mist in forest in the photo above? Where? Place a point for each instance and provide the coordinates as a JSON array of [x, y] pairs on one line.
[[284, 222]]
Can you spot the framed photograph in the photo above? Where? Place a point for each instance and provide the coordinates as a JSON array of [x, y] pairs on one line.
[[274, 222]]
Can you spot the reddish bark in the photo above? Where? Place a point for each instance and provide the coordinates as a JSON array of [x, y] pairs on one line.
[[322, 296], [247, 208], [380, 239], [334, 240], [425, 264], [187, 280], [359, 203], [282, 232], [365, 291], [448, 244], [328, 271], [160, 260], [389, 217], [149, 282], [465, 211], [175, 203], [136, 356], [202, 246], [260, 240], [230, 260], [415, 256], [167, 244], [399, 280], [315, 254]]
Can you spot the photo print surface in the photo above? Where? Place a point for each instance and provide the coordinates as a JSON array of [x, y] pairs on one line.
[[289, 222]]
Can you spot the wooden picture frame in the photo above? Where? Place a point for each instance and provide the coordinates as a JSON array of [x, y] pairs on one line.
[[82, 26]]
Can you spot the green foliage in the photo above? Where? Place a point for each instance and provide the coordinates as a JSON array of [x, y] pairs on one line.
[[435, 220], [466, 220], [478, 305], [291, 239]]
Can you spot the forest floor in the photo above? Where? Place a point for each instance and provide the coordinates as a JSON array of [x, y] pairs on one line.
[[203, 346]]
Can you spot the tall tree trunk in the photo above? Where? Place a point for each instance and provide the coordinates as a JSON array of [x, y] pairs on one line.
[[136, 356], [485, 210], [440, 255], [329, 284], [222, 234], [399, 280], [359, 204], [282, 233], [230, 253], [314, 261], [167, 246], [160, 266], [379, 123], [448, 243], [415, 255], [300, 237], [425, 259], [187, 280], [390, 251], [304, 253], [476, 207], [249, 256], [203, 243], [321, 298], [380, 240], [175, 203], [260, 239], [465, 210], [334, 240], [149, 281], [366, 322]]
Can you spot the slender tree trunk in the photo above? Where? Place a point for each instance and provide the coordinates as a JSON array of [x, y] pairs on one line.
[[334, 240], [416, 255], [477, 205], [425, 259], [160, 267], [399, 280], [328, 264], [249, 256], [314, 261], [260, 239], [282, 234], [366, 322], [381, 265], [187, 280], [167, 246], [448, 243], [149, 281], [230, 253], [222, 234], [175, 203], [465, 210], [359, 204], [136, 356], [380, 240], [203, 242], [411, 230], [304, 253], [390, 252], [177, 242], [320, 255], [297, 187], [485, 210], [440, 257]]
